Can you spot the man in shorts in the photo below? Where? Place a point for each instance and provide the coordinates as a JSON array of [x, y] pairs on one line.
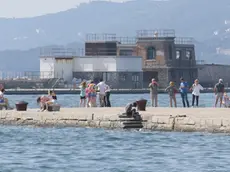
[[219, 92]]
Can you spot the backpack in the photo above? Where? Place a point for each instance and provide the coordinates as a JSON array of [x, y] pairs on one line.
[[219, 87]]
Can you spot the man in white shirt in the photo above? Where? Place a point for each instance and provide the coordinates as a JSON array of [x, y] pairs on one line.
[[102, 88]]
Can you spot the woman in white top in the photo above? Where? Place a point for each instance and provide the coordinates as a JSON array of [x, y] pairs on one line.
[[196, 87]]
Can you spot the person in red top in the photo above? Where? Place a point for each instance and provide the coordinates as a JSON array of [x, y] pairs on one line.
[[42, 101]]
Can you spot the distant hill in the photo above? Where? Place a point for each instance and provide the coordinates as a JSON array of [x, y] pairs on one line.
[[207, 21]]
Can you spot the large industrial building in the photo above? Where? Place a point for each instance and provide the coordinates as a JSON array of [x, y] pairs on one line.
[[126, 62]]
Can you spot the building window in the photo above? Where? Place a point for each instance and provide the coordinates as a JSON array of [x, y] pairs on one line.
[[108, 76], [151, 53], [178, 54], [188, 55], [123, 77], [135, 78]]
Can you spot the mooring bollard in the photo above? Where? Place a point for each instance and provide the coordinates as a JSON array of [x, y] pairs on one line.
[[93, 116]]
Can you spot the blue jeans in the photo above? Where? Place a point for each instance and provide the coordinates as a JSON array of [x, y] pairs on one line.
[[184, 97]]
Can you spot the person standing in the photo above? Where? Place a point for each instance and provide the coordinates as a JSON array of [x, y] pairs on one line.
[[74, 83], [101, 87], [196, 88], [107, 96], [184, 92], [171, 89], [219, 92], [92, 94], [154, 92], [83, 94]]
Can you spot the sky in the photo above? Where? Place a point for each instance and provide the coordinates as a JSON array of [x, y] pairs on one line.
[[31, 8]]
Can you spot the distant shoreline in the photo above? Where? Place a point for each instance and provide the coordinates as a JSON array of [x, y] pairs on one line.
[[77, 91]]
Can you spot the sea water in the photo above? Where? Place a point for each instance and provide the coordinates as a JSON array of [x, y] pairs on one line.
[[26, 149]]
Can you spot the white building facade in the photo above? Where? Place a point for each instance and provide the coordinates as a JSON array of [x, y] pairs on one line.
[[118, 71]]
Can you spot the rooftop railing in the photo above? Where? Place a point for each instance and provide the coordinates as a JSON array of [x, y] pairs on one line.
[[101, 37], [127, 40], [184, 40], [60, 52], [155, 33]]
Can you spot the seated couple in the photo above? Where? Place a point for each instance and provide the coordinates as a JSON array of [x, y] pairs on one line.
[[45, 101]]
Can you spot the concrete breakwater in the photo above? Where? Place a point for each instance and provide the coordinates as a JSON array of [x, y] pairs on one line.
[[77, 91], [215, 120]]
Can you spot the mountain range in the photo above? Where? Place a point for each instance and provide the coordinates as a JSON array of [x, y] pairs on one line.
[[207, 21]]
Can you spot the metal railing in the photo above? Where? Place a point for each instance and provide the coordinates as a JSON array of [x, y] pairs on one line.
[[127, 40], [184, 40], [155, 33], [29, 75], [101, 37], [175, 63], [60, 52]]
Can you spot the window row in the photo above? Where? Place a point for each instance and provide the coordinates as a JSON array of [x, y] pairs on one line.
[[188, 54], [151, 53]]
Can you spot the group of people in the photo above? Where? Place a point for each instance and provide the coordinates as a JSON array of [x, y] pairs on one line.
[[46, 100], [184, 89], [88, 94]]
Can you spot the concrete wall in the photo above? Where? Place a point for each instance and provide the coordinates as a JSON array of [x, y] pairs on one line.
[[107, 64], [129, 63], [209, 74], [64, 68], [47, 67], [94, 63]]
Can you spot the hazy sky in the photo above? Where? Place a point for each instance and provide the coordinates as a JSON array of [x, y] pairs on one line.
[[29, 8]]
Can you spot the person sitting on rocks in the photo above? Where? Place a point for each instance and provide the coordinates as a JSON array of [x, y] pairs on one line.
[[54, 96], [44, 102]]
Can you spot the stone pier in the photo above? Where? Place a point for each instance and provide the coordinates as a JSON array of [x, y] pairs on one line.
[[215, 120]]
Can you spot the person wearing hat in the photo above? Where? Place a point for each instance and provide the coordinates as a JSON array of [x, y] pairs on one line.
[[154, 92], [219, 92], [184, 92]]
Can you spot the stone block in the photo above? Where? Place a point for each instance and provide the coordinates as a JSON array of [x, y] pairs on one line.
[[105, 124]]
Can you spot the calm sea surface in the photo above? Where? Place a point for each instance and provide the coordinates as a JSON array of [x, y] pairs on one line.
[[26, 149]]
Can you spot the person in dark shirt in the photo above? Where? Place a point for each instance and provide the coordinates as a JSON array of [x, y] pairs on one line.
[[219, 92], [130, 109], [184, 92]]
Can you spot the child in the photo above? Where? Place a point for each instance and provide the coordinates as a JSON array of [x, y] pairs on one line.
[[171, 89], [83, 94]]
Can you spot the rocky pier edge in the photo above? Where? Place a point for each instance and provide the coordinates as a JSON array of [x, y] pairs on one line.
[[214, 120]]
